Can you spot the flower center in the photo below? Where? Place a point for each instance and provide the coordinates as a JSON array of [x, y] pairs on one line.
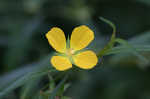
[[70, 52]]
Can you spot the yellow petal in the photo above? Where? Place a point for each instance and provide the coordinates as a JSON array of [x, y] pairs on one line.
[[86, 59], [57, 39], [81, 37], [61, 63]]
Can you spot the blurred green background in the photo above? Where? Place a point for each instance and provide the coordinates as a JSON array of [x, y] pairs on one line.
[[24, 48]]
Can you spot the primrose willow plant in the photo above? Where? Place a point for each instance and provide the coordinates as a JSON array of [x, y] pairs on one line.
[[72, 52]]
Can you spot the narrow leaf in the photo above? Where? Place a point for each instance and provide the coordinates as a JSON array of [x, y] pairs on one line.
[[132, 49], [112, 40], [59, 86]]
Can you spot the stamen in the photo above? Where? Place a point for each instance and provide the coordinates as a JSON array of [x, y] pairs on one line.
[[70, 52]]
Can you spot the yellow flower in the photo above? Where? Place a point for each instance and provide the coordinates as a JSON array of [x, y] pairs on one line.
[[73, 52]]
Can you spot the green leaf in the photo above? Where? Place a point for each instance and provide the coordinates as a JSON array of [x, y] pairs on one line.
[[31, 88], [41, 69], [52, 82], [132, 49], [141, 39], [146, 2], [112, 40], [124, 49], [65, 97], [58, 88], [24, 79]]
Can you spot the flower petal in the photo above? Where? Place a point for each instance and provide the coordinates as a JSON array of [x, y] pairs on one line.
[[85, 60], [57, 39], [81, 37], [61, 63]]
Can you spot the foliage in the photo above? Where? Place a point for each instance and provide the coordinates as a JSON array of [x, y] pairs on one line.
[[123, 70]]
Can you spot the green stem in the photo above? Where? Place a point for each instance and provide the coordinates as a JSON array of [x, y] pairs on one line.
[[112, 40], [58, 87]]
